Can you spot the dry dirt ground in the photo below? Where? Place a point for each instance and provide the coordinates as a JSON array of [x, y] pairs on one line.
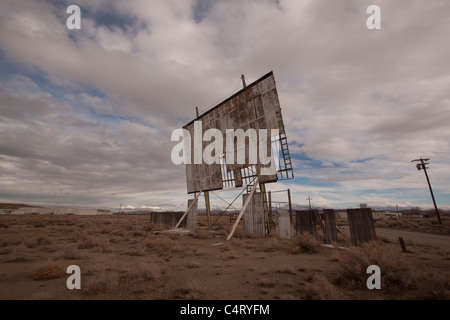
[[124, 257]]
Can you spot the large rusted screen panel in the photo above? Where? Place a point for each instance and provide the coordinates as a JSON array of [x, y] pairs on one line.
[[257, 107]]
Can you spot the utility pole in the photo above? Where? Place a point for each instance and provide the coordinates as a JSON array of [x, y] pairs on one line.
[[309, 200], [243, 81], [420, 166]]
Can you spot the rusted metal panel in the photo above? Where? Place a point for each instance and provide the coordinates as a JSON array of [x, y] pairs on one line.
[[330, 226], [284, 226], [167, 218], [254, 215], [305, 221], [361, 225]]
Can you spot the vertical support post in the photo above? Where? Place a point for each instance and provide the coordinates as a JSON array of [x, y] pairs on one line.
[[208, 207], [402, 244], [290, 204], [267, 219], [270, 203], [431, 191], [243, 81]]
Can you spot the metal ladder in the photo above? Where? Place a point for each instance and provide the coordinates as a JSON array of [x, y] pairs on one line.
[[287, 171]]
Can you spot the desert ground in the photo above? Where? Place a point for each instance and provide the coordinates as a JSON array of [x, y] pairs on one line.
[[126, 257]]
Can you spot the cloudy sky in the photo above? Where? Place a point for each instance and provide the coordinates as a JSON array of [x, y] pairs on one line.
[[86, 115]]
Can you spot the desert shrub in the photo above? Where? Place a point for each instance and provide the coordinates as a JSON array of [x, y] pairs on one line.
[[286, 269], [142, 273], [265, 283], [104, 282], [193, 265], [189, 291], [5, 251], [49, 271], [434, 287], [41, 241], [238, 232], [306, 243], [87, 244], [137, 252], [319, 288], [271, 245], [153, 227], [70, 254], [396, 273], [202, 234], [106, 249], [138, 234], [164, 245], [38, 224], [30, 243]]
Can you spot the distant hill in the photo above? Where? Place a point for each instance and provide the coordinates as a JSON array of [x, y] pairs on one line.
[[13, 205]]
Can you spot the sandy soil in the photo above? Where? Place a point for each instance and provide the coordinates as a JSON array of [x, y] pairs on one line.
[[124, 257]]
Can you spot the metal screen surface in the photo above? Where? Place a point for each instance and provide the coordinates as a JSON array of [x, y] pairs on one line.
[[254, 107]]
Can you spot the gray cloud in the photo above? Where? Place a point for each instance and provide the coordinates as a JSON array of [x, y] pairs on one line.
[[136, 71]]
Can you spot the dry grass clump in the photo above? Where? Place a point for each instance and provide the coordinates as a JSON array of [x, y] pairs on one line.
[[319, 288], [164, 245], [141, 274], [286, 269], [87, 244], [71, 254], [396, 273], [38, 224], [202, 234], [154, 227], [40, 241], [136, 252], [191, 290], [238, 232], [306, 243], [104, 282], [265, 283], [49, 271]]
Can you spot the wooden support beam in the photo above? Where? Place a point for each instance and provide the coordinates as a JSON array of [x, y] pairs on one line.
[[243, 210], [290, 205], [188, 209], [208, 208], [267, 218]]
